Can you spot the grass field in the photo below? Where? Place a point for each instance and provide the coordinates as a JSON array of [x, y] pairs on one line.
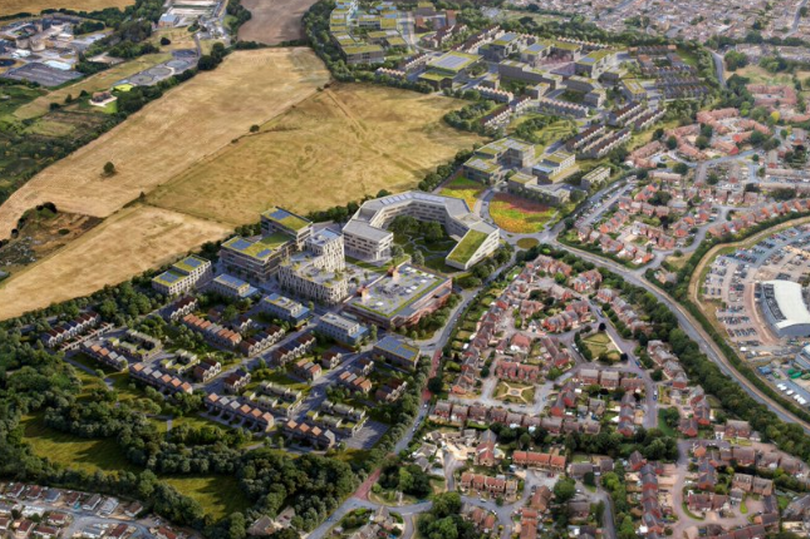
[[218, 495], [98, 82], [336, 146], [600, 343], [274, 21], [461, 187], [130, 242], [527, 243], [164, 139], [68, 450], [518, 215], [12, 7]]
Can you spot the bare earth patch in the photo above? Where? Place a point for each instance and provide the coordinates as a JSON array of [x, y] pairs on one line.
[[274, 21], [168, 136], [130, 242]]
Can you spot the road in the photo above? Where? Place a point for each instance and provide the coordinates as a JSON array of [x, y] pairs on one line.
[[693, 329], [720, 68]]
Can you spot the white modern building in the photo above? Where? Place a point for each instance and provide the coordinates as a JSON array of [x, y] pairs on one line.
[[366, 236], [785, 307]]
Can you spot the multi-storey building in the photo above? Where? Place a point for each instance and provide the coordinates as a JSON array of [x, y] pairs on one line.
[[183, 276], [401, 297], [342, 329], [232, 287], [372, 242], [285, 308], [317, 272]]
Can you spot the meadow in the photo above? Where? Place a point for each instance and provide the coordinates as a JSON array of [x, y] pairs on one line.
[[338, 145], [169, 135], [133, 240], [518, 215], [12, 7]]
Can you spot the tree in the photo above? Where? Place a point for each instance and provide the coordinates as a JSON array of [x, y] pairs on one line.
[[109, 168], [564, 490], [418, 258], [254, 128]]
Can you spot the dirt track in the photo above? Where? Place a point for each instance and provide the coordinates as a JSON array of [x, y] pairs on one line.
[[274, 21]]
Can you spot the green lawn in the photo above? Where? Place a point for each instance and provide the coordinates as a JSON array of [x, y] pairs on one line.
[[663, 427], [599, 343], [527, 243], [218, 495], [68, 450]]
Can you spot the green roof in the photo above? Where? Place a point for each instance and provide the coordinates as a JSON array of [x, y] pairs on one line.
[[361, 49], [190, 263], [260, 250], [467, 247], [286, 219], [434, 76], [396, 42]]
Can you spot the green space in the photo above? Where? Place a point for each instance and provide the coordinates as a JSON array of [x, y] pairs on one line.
[[527, 243], [518, 215], [514, 393], [600, 343], [89, 455], [219, 495], [463, 188]]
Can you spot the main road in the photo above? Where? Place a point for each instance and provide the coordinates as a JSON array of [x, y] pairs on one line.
[[693, 329]]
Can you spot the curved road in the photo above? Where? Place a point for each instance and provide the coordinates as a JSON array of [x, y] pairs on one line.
[[694, 330]]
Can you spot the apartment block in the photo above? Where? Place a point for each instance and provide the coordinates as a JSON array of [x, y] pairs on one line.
[[183, 276], [342, 329]]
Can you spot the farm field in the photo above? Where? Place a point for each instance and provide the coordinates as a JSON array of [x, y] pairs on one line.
[[158, 143], [461, 187], [274, 21], [95, 83], [517, 215], [12, 7], [336, 146], [131, 241]]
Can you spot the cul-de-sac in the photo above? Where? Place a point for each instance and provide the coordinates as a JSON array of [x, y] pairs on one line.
[[404, 269]]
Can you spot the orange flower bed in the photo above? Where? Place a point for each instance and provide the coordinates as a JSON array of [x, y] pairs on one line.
[[518, 215]]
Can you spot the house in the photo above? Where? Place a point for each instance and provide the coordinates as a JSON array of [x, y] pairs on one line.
[[236, 381]]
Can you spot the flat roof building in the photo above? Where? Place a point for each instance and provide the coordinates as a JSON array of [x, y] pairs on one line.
[[785, 307], [397, 351], [285, 308], [366, 238], [342, 329], [401, 297], [183, 276]]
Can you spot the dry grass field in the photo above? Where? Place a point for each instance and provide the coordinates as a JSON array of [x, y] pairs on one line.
[[98, 82], [201, 171], [12, 7], [131, 241], [168, 136], [336, 146], [274, 21]]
